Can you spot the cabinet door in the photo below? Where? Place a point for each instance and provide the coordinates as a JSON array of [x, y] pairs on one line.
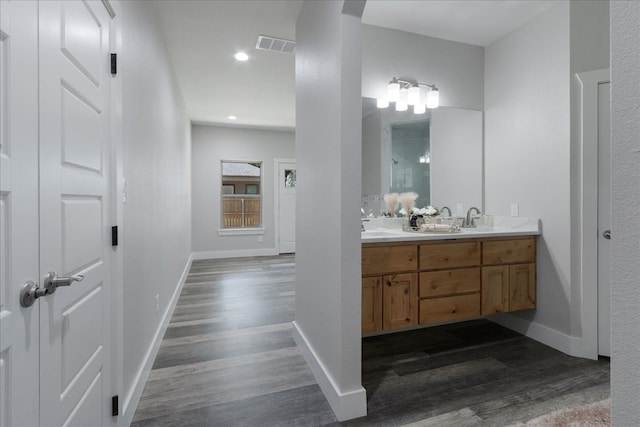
[[371, 304], [400, 301], [522, 286], [495, 289]]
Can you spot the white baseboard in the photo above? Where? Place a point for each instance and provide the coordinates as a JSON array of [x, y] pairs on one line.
[[239, 253], [565, 343], [132, 399], [346, 405]]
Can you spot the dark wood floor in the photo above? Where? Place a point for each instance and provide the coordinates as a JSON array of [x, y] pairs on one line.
[[228, 359]]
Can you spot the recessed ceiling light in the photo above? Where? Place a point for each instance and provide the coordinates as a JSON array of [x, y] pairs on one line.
[[232, 117], [241, 56]]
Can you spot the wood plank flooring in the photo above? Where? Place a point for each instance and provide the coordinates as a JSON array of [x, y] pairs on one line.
[[228, 359]]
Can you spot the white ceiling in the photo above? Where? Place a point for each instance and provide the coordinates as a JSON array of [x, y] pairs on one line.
[[477, 22], [202, 37]]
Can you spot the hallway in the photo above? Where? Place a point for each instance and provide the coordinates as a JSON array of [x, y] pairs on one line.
[[228, 359]]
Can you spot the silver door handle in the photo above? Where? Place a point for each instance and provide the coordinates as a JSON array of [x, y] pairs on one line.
[[52, 281], [31, 291], [606, 234]]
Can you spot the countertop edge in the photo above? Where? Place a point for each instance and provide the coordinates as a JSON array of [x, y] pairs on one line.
[[412, 237]]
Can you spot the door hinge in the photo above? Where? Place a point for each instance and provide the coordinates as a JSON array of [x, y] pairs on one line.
[[114, 406], [114, 64], [114, 235]]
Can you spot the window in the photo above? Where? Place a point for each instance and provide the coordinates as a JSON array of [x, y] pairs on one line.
[[241, 198], [289, 178]]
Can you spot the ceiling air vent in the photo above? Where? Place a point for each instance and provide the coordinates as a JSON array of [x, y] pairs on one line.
[[275, 44]]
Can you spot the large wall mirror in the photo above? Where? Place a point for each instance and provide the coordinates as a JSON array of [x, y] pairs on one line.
[[437, 154]]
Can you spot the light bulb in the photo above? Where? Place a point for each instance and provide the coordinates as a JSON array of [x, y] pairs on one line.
[[414, 95], [401, 105], [393, 90], [382, 102], [433, 98], [241, 56], [419, 109], [404, 95]]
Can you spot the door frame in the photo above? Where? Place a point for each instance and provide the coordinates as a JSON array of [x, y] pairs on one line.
[[276, 199], [589, 82], [116, 192]]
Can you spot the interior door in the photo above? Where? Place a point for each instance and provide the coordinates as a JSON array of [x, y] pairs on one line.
[[604, 220], [286, 207], [74, 216], [19, 363]]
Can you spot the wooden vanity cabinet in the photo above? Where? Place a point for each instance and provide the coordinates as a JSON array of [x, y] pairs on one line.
[[511, 284], [435, 281], [389, 287]]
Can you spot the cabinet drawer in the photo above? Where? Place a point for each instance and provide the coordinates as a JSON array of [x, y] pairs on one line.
[[389, 259], [509, 251], [449, 308], [449, 255], [449, 282]]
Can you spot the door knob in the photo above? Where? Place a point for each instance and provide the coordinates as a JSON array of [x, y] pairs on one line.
[[31, 291], [606, 234], [52, 281]]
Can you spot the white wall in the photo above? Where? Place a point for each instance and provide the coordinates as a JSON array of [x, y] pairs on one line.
[[625, 241], [328, 154], [533, 153], [527, 149], [211, 145], [456, 68], [156, 234], [456, 158]]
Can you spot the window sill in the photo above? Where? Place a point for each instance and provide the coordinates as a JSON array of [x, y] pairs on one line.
[[240, 231]]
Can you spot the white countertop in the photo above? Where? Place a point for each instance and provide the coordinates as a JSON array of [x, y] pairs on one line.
[[503, 227]]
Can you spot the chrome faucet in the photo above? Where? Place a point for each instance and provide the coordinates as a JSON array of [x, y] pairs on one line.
[[447, 208], [469, 222]]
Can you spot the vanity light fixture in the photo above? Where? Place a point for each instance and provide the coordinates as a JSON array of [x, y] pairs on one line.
[[404, 93]]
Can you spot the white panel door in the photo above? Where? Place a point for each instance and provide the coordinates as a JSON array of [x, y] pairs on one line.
[[604, 220], [74, 216], [19, 366], [286, 208]]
